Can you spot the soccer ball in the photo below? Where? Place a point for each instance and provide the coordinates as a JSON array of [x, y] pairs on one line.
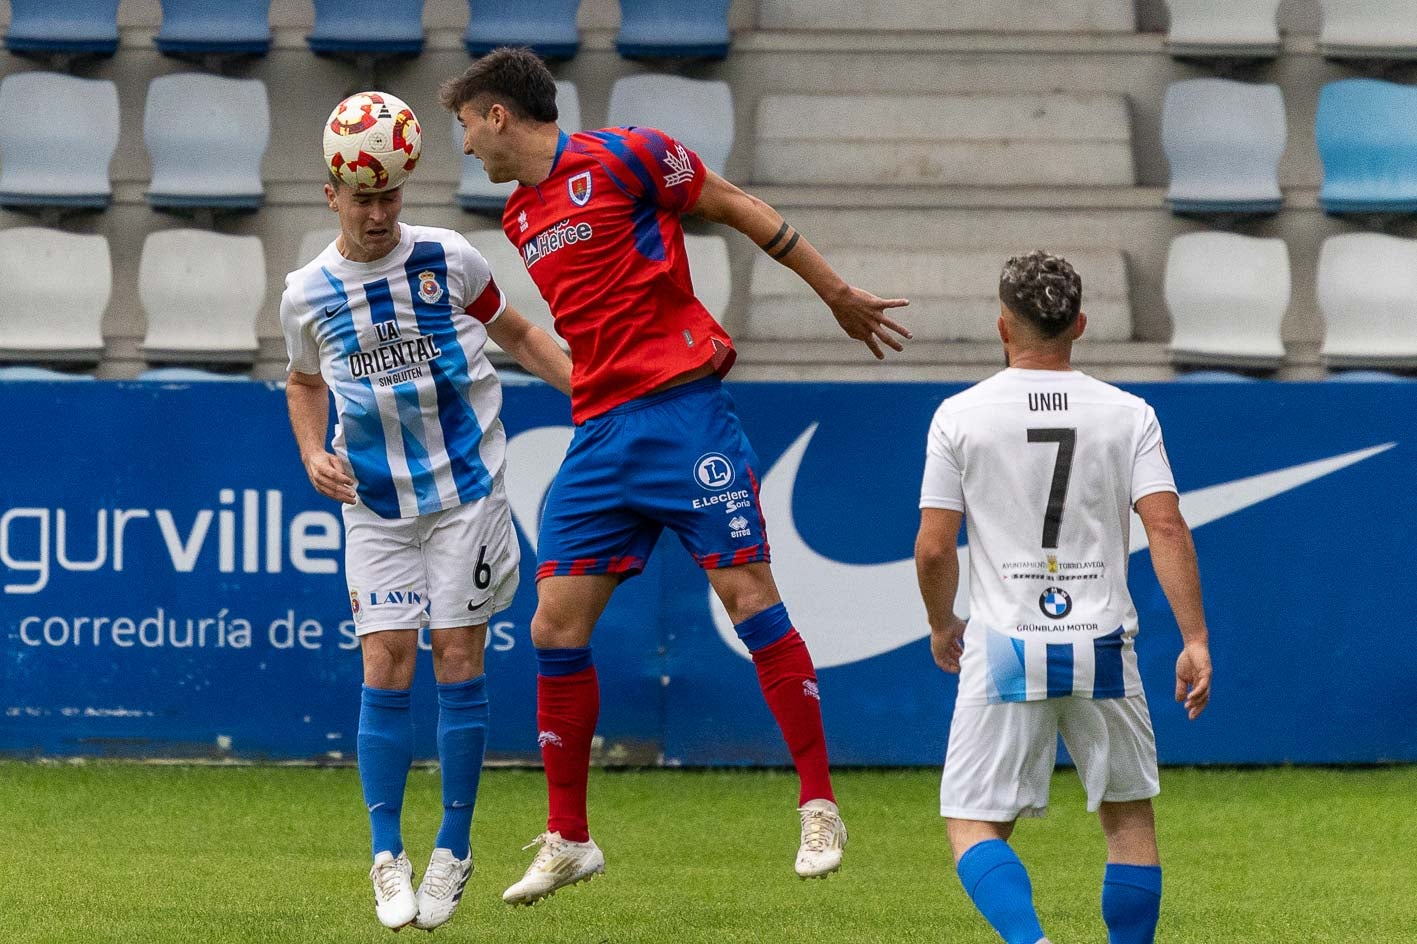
[[372, 141]]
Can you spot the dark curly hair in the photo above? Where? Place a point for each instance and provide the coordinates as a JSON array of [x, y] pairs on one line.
[[514, 77], [1042, 289]]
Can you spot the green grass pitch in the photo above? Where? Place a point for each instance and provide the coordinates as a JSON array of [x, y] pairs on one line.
[[136, 854]]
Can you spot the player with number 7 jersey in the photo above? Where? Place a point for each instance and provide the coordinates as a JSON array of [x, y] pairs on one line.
[[597, 220]]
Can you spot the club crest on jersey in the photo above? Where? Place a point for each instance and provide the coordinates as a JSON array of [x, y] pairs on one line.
[[354, 603], [579, 189], [428, 288]]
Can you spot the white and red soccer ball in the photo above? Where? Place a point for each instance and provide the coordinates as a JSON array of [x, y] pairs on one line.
[[372, 141]]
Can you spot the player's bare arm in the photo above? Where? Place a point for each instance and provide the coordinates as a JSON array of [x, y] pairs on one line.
[[1173, 556], [308, 400], [860, 314], [937, 570], [532, 348]]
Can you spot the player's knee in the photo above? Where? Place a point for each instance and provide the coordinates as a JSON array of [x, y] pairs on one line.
[[548, 632], [456, 661]]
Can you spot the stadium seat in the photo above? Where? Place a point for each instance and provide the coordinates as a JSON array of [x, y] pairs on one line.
[[44, 28], [1367, 290], [54, 289], [343, 28], [954, 293], [511, 276], [1242, 29], [192, 167], [982, 140], [313, 243], [709, 270], [697, 112], [994, 16], [214, 27], [475, 191], [1366, 131], [28, 372], [673, 29], [62, 160], [1223, 140], [548, 27], [1368, 29], [1227, 295], [1368, 376], [1214, 376], [201, 292]]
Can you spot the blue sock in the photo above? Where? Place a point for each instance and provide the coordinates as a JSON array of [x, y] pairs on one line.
[[765, 628], [385, 746], [998, 884], [462, 739], [1131, 902]]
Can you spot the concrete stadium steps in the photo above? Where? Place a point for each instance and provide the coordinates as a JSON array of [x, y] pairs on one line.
[[972, 140]]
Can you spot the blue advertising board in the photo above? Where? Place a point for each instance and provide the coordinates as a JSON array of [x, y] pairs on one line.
[[170, 584]]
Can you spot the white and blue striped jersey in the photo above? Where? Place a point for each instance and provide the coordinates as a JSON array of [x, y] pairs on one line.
[[400, 342], [1046, 466]]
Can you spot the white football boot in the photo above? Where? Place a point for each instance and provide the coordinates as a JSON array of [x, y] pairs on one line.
[[558, 863], [823, 839], [394, 901], [441, 888]]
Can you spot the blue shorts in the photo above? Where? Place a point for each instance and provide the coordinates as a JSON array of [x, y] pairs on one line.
[[679, 459]]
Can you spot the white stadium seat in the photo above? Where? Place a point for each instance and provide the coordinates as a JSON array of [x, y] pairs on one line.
[[954, 294], [63, 159], [697, 112], [1223, 140], [313, 243], [201, 292], [1224, 28], [1369, 29], [1227, 295], [708, 268], [193, 167], [54, 289], [986, 140], [475, 191], [1367, 289], [511, 276]]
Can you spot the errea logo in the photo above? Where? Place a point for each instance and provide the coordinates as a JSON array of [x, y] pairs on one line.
[[739, 527]]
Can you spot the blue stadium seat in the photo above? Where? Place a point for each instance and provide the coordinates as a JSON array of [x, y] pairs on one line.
[[27, 372], [548, 27], [1366, 131], [214, 27], [697, 112], [374, 27], [187, 375], [1214, 376], [1223, 140], [478, 194], [61, 161], [673, 29], [193, 168], [63, 27], [1368, 376]]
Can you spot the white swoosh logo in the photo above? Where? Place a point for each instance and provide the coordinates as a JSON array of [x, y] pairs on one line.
[[851, 612]]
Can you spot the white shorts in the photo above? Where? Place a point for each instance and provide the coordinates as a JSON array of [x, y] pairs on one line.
[[1000, 757], [449, 568]]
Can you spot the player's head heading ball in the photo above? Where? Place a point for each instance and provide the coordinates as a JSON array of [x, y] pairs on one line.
[[514, 78], [1043, 290]]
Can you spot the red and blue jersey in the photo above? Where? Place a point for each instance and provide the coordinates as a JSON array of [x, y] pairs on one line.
[[601, 238]]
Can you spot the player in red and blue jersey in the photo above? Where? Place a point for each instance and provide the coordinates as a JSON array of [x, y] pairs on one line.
[[657, 443]]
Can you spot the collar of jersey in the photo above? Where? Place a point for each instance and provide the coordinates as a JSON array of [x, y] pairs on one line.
[[397, 254], [562, 139]]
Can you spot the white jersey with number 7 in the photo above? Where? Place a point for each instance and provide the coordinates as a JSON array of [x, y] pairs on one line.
[[1046, 466]]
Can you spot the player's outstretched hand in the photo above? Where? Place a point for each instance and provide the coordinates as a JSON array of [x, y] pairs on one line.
[[947, 645], [1193, 679], [328, 476], [862, 316]]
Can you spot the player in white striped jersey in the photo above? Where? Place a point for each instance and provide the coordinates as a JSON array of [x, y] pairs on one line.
[[392, 319], [1047, 464]]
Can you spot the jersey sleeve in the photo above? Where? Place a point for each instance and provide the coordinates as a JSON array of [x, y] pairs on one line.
[[653, 167], [481, 297], [943, 484], [300, 347], [1151, 469]]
